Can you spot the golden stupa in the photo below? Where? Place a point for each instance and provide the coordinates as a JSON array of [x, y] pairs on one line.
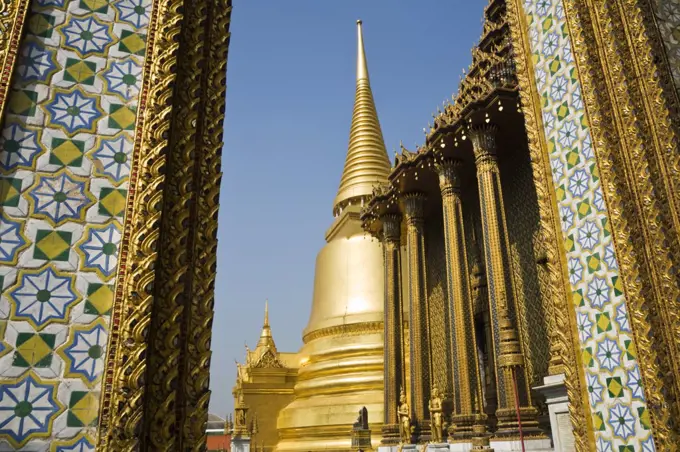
[[341, 368]]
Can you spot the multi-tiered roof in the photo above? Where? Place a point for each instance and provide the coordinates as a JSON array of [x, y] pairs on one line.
[[488, 90]]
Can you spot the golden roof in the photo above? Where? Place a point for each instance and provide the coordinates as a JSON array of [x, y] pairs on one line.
[[367, 163], [265, 354], [488, 91]]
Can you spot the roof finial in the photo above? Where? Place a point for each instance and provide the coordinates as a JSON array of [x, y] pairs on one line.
[[266, 333], [367, 162], [266, 312], [362, 66]]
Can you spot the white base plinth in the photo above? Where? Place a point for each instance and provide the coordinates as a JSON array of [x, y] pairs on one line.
[[555, 394], [439, 447], [536, 445], [413, 448], [240, 445], [388, 448]]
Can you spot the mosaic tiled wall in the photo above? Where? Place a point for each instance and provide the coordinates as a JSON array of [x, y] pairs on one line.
[[65, 154], [617, 402]]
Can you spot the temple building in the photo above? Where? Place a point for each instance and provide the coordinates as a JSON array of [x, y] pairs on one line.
[[264, 384], [478, 316], [511, 283], [527, 251], [531, 242]]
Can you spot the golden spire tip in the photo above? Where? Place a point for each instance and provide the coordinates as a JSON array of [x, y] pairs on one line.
[[266, 334], [362, 66], [266, 312], [367, 161]]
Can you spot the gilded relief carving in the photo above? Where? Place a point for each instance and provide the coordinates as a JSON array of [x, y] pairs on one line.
[[124, 407], [523, 225], [439, 314]]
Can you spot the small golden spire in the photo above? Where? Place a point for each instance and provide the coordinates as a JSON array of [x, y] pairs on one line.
[[367, 163], [266, 312], [266, 338], [266, 330]]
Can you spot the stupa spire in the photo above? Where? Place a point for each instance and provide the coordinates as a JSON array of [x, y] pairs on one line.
[[367, 162]]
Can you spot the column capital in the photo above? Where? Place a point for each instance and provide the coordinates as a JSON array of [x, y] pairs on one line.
[[449, 172], [414, 206], [484, 141], [391, 227]]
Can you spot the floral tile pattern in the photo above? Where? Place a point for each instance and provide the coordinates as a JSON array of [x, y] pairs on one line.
[[78, 444], [65, 153], [28, 407], [617, 403]]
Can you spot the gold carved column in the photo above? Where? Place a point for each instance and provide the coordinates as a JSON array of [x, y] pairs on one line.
[[421, 360], [480, 297], [468, 407], [394, 353], [507, 347]]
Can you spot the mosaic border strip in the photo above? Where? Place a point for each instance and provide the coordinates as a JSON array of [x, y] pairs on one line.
[[65, 154], [618, 408]]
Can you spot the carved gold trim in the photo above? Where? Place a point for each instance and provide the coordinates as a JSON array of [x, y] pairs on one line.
[[658, 96], [12, 20], [627, 151], [658, 44], [564, 331], [655, 99], [206, 195], [156, 385], [166, 362], [122, 403], [351, 329]]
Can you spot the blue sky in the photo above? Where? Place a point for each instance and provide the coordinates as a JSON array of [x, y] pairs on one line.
[[290, 91]]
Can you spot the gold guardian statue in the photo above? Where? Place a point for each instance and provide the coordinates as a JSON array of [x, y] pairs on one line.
[[404, 412], [435, 407]]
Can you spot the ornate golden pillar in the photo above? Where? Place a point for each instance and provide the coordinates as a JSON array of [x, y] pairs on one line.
[[480, 296], [468, 406], [394, 352], [507, 347], [421, 361]]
